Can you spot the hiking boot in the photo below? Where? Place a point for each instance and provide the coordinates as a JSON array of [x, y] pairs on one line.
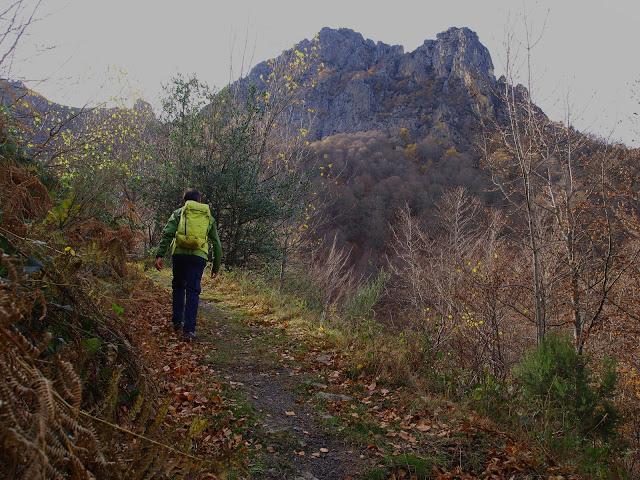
[[189, 337]]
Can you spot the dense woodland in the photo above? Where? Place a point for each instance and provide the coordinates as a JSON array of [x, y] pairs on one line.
[[503, 277]]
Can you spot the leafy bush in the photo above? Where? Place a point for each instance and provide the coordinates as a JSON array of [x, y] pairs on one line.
[[558, 380], [490, 396], [568, 406], [233, 150], [556, 398]]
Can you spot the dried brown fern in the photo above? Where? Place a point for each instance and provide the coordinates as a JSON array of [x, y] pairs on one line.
[[45, 433], [113, 244], [60, 408], [22, 196], [44, 430], [40, 431]]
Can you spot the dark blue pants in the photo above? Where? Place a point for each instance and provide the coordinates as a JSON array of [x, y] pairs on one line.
[[187, 274]]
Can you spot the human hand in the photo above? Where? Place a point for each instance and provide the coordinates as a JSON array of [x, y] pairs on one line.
[[159, 263]]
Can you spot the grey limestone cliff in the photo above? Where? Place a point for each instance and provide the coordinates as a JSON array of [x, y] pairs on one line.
[[441, 88]]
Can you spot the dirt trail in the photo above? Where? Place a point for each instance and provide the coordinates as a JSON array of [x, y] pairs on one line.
[[290, 403], [293, 440], [297, 444], [303, 412]]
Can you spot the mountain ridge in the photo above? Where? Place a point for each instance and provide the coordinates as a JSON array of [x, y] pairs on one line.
[[443, 87]]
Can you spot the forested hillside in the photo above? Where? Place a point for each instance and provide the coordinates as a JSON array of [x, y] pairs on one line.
[[424, 276]]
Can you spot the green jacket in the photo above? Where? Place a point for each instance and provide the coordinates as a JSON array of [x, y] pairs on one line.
[[169, 233]]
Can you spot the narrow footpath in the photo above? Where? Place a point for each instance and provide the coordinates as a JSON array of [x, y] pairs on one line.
[[276, 397], [256, 363], [297, 440]]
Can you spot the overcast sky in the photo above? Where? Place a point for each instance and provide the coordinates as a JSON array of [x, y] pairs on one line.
[[113, 48]]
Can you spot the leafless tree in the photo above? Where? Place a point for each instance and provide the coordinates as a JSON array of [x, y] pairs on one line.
[[560, 189], [16, 16], [453, 282]]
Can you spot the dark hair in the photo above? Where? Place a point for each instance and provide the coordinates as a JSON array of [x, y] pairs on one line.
[[192, 194]]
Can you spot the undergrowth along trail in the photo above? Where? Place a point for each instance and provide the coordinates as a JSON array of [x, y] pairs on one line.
[[255, 365], [302, 409]]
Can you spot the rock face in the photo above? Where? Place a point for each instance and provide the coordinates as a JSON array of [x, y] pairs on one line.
[[440, 88]]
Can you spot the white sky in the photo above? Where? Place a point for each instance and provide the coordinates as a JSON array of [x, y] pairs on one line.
[[109, 48]]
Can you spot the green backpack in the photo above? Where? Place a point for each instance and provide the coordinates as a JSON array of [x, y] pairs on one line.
[[193, 226]]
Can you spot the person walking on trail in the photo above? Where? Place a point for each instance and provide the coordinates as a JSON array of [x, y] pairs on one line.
[[187, 234]]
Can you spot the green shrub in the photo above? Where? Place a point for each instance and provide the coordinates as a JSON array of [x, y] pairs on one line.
[[365, 298], [567, 406], [557, 380], [556, 398], [490, 396], [223, 145]]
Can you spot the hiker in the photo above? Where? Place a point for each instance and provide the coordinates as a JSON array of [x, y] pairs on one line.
[[188, 233]]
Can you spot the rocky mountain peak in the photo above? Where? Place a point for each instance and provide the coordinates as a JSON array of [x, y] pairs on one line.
[[459, 51], [348, 50], [441, 88]]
